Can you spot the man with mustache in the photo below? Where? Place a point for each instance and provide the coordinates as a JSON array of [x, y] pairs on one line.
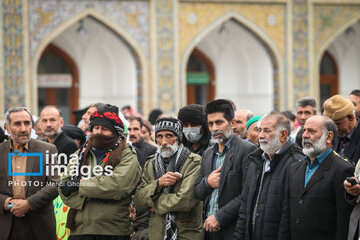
[[305, 108], [51, 122], [26, 201], [167, 186], [134, 131], [223, 168], [99, 184], [342, 111], [314, 205], [263, 191]]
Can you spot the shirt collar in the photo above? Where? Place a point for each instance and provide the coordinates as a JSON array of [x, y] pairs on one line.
[[319, 158], [227, 144], [26, 146]]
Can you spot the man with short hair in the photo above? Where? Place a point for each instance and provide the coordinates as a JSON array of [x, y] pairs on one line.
[[314, 204], [263, 191], [341, 110], [240, 120], [26, 201], [98, 187], [167, 186], [305, 108], [355, 99], [223, 168], [51, 122], [195, 128], [145, 149]]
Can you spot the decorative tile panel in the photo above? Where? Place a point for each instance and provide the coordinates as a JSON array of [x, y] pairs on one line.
[[13, 53], [195, 17], [131, 16]]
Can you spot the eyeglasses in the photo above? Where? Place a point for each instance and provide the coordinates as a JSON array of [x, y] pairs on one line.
[[167, 136]]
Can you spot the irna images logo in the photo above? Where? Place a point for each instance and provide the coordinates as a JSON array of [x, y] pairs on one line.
[[16, 153], [53, 166]]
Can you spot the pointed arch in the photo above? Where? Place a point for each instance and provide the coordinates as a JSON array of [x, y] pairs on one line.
[[134, 48], [268, 44], [326, 45]]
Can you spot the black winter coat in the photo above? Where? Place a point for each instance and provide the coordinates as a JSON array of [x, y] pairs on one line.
[[232, 175], [65, 144], [271, 194], [318, 211]]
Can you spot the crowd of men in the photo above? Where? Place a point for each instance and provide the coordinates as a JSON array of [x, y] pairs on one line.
[[212, 172]]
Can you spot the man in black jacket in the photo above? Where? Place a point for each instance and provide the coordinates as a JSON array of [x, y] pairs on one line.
[[222, 171], [314, 204], [51, 123], [263, 191]]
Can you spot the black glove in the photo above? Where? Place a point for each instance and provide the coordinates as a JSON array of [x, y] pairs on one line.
[[70, 186]]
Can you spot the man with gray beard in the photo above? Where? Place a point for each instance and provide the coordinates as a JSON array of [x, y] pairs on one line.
[[167, 186], [223, 168], [314, 205], [263, 191]]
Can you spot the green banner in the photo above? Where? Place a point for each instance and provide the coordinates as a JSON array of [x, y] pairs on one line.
[[197, 78]]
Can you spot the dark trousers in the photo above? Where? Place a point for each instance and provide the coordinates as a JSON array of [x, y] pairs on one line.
[[98, 237], [218, 235], [21, 229]]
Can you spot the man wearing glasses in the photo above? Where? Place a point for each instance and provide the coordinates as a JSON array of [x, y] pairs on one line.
[[167, 186]]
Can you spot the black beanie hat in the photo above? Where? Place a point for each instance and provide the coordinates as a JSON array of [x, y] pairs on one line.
[[193, 113], [107, 117], [220, 105], [169, 124]]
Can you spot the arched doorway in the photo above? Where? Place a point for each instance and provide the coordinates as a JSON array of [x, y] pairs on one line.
[[200, 79], [111, 66], [237, 53], [58, 82], [329, 82]]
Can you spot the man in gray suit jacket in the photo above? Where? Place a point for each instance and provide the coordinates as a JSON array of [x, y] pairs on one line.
[[26, 187], [222, 171]]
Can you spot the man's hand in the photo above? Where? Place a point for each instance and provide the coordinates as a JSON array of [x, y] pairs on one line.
[[214, 178], [168, 179], [211, 224], [352, 190], [132, 213], [20, 208]]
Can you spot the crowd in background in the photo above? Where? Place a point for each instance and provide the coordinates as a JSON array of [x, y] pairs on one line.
[[210, 172]]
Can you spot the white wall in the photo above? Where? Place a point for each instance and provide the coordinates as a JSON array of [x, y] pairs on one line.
[[243, 68], [107, 69], [346, 51]]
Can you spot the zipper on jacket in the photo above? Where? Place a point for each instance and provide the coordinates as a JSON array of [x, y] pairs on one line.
[[257, 198]]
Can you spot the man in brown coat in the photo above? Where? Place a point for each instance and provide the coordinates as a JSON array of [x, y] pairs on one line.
[[27, 183]]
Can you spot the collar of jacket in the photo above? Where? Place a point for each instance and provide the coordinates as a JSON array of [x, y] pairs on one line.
[[289, 147]]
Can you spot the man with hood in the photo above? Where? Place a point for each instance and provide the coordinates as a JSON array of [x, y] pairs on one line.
[[98, 186], [195, 128], [167, 186]]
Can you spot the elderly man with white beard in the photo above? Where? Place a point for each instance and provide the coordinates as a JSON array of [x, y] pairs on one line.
[[314, 205], [167, 186], [263, 191]]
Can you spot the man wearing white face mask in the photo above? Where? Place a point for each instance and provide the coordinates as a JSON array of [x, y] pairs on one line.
[[195, 129]]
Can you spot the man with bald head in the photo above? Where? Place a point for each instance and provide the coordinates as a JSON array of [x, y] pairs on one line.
[[314, 205], [51, 122], [342, 111], [239, 122]]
